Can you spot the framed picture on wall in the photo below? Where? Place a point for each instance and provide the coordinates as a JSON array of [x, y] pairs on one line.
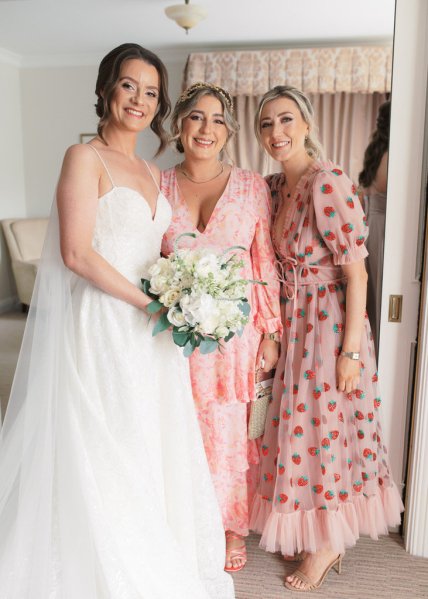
[[85, 137]]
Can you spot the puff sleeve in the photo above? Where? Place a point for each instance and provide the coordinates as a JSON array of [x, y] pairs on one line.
[[266, 298], [339, 216]]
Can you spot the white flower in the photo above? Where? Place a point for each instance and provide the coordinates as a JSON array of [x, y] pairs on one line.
[[162, 266], [176, 317], [170, 297], [205, 265], [197, 308], [221, 332], [158, 284]]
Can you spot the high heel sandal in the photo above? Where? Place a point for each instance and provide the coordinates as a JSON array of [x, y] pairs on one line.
[[237, 553], [310, 585]]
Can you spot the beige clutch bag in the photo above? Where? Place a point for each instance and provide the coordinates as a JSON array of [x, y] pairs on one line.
[[259, 407]]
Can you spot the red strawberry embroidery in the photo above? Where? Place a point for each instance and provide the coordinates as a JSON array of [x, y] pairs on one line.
[[323, 469], [313, 451], [305, 221], [329, 235], [300, 313], [317, 489], [329, 211], [302, 481], [309, 250], [296, 458], [288, 322], [360, 240], [309, 297], [296, 504], [275, 421], [304, 273], [315, 421], [298, 431], [345, 443], [360, 394], [325, 443], [358, 485], [265, 450], [305, 352], [375, 377], [343, 248], [332, 287], [353, 189], [329, 495], [281, 469], [326, 387], [333, 435], [316, 392], [340, 417], [370, 416], [302, 407], [300, 258], [295, 389], [322, 291], [343, 495], [309, 375], [360, 434], [286, 415], [300, 206], [338, 327], [337, 172], [377, 402], [365, 476], [326, 188], [367, 453], [309, 327], [347, 228], [358, 415], [322, 315], [268, 476], [282, 498], [331, 405], [336, 477]]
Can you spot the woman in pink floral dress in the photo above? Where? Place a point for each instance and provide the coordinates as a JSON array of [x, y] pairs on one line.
[[225, 206], [325, 476]]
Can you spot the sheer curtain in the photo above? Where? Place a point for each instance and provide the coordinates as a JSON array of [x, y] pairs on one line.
[[346, 85]]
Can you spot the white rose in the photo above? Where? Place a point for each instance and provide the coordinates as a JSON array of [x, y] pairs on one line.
[[221, 332], [197, 308], [205, 265], [162, 266], [170, 297], [176, 317], [158, 284]]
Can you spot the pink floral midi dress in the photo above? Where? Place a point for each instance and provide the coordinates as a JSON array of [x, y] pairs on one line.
[[223, 382], [325, 476]]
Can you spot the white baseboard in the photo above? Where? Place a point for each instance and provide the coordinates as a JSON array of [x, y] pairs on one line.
[[8, 304]]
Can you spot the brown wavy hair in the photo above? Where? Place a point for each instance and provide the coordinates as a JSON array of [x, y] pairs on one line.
[[108, 76], [377, 147]]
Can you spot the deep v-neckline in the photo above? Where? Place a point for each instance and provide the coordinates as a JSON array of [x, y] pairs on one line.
[[183, 202], [140, 195]]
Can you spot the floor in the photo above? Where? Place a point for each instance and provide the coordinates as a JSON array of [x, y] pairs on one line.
[[372, 570]]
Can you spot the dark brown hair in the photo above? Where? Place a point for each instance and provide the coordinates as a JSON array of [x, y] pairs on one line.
[[108, 75], [377, 147]]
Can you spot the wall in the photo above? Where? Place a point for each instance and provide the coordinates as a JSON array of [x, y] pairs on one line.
[[12, 180]]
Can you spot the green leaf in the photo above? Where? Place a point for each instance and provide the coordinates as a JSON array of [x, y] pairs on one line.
[[154, 306], [180, 339], [245, 308], [229, 336], [162, 324], [146, 288], [188, 349], [208, 345]]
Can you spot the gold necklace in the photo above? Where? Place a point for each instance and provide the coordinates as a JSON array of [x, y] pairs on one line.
[[206, 180]]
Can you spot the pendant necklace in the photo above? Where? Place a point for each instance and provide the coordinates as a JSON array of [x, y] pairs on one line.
[[206, 180]]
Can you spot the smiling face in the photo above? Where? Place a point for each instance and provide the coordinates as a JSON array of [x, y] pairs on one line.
[[283, 130], [136, 96], [204, 132]]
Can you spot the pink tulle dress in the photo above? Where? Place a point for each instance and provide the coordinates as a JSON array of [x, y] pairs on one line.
[[325, 476], [223, 383]]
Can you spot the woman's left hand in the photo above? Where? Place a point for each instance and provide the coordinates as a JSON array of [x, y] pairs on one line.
[[268, 355], [347, 374]]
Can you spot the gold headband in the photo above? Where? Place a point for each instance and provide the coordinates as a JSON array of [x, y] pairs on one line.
[[188, 93]]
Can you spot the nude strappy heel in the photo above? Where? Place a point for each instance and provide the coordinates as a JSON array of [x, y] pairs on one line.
[[239, 552], [310, 585]]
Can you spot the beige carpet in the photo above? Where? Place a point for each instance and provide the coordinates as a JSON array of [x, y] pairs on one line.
[[372, 570]]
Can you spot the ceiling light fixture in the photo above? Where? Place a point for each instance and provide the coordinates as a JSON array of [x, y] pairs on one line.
[[186, 15]]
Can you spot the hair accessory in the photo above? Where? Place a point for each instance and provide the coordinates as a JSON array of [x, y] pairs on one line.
[[188, 93]]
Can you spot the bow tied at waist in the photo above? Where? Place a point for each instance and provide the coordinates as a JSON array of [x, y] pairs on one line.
[[284, 265]]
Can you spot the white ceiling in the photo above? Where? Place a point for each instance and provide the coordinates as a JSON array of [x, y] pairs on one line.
[[37, 30]]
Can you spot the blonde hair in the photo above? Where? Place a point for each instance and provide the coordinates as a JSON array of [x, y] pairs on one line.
[[188, 100], [313, 145]]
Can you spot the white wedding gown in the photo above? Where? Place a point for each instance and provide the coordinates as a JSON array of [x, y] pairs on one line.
[[105, 491]]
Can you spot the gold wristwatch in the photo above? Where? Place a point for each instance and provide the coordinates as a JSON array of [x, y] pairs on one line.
[[272, 336]]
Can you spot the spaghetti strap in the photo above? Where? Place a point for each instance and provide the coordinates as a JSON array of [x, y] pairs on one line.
[[103, 163], [152, 175]]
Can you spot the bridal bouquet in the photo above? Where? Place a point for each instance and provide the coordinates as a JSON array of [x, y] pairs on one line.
[[201, 295]]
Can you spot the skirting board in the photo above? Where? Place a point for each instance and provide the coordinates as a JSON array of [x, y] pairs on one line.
[[8, 304]]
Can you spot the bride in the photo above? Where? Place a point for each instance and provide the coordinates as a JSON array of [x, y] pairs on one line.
[[104, 486]]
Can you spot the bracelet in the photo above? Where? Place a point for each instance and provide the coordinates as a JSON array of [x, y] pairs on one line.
[[272, 336], [353, 355]]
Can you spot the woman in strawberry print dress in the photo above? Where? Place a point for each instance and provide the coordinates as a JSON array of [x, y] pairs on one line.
[[325, 476], [225, 206]]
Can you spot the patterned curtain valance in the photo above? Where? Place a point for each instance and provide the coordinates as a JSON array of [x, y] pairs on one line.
[[314, 70]]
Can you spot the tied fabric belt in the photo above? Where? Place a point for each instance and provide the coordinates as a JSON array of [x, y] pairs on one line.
[[288, 264]]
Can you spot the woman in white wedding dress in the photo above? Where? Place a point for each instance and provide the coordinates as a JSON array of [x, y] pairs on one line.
[[105, 491]]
